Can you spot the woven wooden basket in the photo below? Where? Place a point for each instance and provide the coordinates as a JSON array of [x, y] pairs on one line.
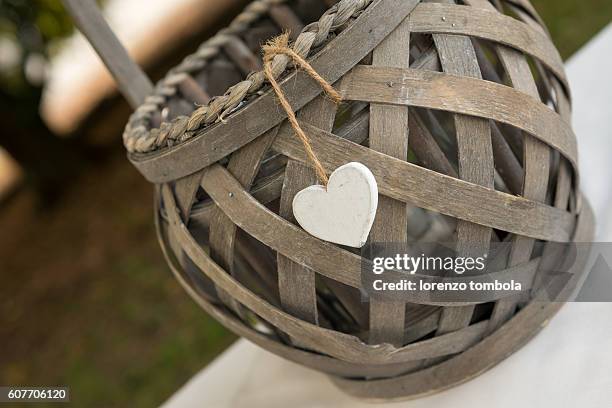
[[462, 113]]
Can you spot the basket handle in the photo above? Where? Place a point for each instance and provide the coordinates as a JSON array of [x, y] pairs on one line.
[[133, 83]]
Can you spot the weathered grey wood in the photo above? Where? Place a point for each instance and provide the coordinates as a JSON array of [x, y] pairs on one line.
[[269, 189], [185, 190], [420, 321], [426, 149], [221, 139], [490, 25], [562, 101], [536, 163], [481, 357], [255, 265], [243, 165], [329, 260], [528, 14], [265, 192], [286, 19], [506, 162], [457, 57], [561, 200], [413, 184], [342, 346], [336, 344], [296, 284], [476, 98], [389, 135], [190, 89], [313, 360], [325, 325], [564, 186], [242, 56], [132, 81]]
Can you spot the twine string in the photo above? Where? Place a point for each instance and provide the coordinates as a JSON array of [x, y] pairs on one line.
[[280, 46]]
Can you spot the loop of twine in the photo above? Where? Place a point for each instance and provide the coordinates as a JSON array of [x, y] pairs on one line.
[[280, 46]]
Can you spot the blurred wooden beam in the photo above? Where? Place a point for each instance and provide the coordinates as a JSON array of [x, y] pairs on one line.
[[154, 33], [131, 79]]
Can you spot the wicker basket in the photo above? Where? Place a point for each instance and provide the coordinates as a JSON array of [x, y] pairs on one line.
[[462, 113]]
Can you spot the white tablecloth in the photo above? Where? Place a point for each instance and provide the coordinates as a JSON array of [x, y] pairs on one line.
[[569, 364]]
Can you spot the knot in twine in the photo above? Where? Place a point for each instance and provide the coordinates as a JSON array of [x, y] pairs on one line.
[[280, 46]]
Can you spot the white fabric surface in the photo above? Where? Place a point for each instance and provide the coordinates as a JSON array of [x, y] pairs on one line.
[[569, 364]]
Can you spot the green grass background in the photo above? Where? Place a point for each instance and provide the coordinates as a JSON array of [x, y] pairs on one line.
[[573, 22]]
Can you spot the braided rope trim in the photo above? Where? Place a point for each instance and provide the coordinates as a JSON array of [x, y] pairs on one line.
[[138, 136]]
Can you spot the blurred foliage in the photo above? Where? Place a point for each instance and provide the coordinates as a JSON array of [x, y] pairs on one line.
[[28, 30]]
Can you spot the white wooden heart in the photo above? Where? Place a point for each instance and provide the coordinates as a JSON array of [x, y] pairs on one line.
[[344, 212]]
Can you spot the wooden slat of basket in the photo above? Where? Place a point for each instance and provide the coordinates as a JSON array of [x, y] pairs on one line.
[[421, 187], [426, 149], [192, 92], [484, 355], [339, 56], [506, 162], [421, 141], [389, 135], [562, 102], [313, 360], [517, 328], [561, 200], [564, 186], [219, 182], [457, 57], [329, 260], [342, 346], [287, 20], [528, 14], [132, 81], [185, 190], [243, 165], [296, 283], [242, 56], [536, 163], [489, 25], [564, 180], [462, 95], [356, 131]]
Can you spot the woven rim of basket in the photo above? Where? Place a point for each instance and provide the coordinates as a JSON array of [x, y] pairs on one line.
[[140, 137]]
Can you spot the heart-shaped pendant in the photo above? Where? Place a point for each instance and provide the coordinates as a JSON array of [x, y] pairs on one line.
[[344, 212]]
